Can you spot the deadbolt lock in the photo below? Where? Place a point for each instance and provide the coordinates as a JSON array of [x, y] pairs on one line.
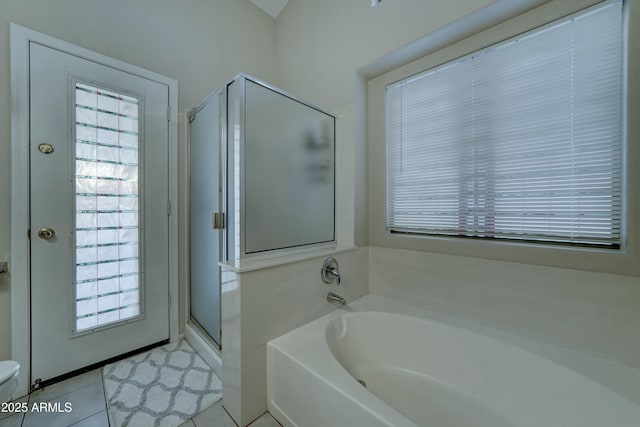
[[46, 233], [45, 148]]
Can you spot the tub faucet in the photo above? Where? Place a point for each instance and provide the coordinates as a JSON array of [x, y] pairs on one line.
[[330, 271], [331, 297]]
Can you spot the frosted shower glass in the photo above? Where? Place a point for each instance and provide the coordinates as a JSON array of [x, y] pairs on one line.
[[289, 172], [205, 190]]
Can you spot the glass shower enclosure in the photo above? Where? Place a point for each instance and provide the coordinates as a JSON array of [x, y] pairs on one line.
[[205, 200], [261, 183]]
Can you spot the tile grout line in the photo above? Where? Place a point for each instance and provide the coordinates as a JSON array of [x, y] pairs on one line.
[[32, 396], [104, 394], [24, 414], [85, 418], [106, 406], [228, 415]]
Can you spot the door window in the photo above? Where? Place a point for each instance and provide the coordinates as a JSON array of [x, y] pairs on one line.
[[107, 201]]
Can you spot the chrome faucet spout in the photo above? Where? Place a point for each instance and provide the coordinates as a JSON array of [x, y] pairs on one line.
[[331, 297]]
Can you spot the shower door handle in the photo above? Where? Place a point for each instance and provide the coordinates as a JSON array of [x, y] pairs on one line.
[[218, 220]]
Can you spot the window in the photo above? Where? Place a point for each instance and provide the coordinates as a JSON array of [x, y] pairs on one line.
[[521, 141], [107, 207]]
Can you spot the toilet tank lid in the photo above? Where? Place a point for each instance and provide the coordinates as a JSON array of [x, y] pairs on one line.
[[8, 368]]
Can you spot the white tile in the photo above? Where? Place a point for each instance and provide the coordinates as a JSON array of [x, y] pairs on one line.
[[84, 402], [101, 419], [254, 384], [213, 416], [279, 299], [232, 398], [230, 375], [265, 420], [4, 415], [275, 300], [14, 420], [67, 386], [188, 423], [592, 313]]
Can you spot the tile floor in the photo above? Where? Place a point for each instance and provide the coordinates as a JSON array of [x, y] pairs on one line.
[[86, 395]]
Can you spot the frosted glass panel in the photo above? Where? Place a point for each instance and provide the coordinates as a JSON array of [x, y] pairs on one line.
[[289, 172], [107, 218], [205, 193]]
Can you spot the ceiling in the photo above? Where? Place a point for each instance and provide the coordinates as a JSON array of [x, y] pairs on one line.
[[272, 7]]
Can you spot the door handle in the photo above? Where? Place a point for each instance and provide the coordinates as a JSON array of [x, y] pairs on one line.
[[46, 233], [218, 220]]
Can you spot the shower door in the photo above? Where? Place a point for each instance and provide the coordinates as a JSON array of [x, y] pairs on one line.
[[205, 195]]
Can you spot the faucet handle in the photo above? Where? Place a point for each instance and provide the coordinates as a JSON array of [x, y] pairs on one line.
[[330, 272]]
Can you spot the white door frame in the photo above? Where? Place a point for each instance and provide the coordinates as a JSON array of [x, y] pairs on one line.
[[20, 260]]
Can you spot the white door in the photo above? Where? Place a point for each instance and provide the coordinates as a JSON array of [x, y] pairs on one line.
[[99, 220]]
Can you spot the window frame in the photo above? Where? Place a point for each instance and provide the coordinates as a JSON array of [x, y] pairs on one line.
[[625, 260], [75, 84], [467, 220]]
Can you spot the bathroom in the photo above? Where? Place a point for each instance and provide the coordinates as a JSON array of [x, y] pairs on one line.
[[331, 54]]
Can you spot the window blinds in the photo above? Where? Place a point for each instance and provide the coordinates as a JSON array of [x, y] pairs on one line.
[[521, 140]]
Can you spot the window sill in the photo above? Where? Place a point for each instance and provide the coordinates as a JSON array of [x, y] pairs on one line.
[[622, 261], [263, 261]]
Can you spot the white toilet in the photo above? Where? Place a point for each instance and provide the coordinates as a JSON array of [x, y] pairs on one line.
[[8, 379]]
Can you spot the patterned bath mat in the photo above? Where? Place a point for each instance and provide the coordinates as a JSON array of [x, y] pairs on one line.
[[162, 388]]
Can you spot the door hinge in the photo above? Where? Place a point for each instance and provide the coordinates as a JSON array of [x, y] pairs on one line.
[[36, 384], [218, 220], [28, 233], [168, 113], [169, 208]]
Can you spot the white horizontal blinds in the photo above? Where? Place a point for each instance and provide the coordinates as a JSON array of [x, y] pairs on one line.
[[428, 143], [522, 140], [107, 207]]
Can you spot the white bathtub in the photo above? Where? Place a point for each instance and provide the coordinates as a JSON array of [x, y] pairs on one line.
[[420, 372]]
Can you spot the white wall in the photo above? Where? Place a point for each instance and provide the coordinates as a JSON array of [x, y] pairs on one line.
[[201, 43], [594, 312], [321, 44], [626, 261]]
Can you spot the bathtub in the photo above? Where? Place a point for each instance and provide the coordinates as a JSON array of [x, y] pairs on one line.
[[361, 367]]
